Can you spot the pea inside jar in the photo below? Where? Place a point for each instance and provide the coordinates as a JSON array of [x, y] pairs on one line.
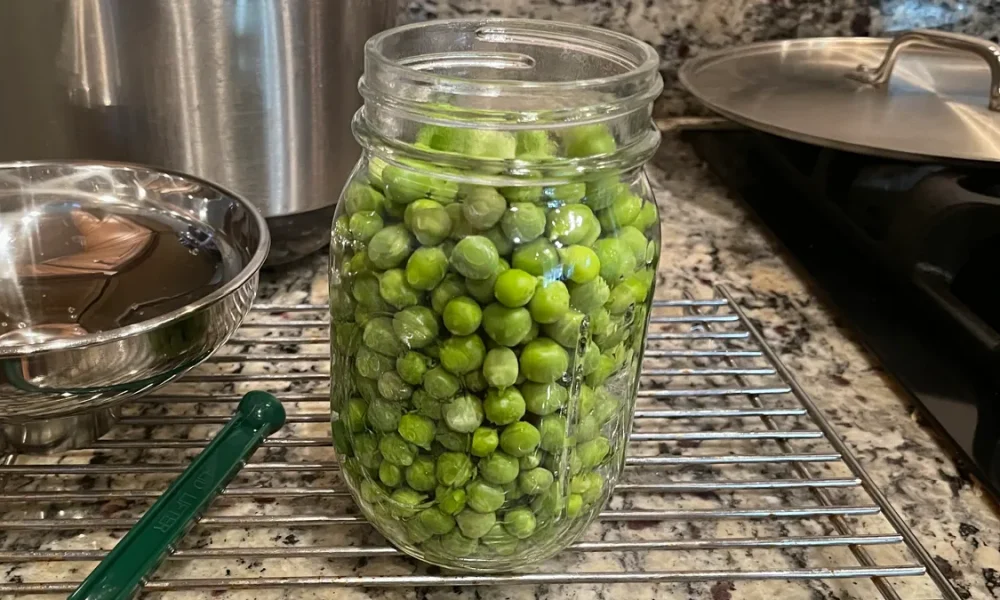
[[490, 292]]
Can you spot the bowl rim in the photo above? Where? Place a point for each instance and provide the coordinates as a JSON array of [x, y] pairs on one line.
[[249, 270]]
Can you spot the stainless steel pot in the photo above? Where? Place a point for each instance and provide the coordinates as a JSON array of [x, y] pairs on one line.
[[254, 95]]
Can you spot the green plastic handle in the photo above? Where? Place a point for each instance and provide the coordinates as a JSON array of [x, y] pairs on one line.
[[123, 571]]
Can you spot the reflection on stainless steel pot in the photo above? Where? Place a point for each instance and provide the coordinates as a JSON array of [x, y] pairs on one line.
[[254, 95]]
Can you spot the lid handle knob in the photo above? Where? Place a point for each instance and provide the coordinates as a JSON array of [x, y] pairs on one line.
[[989, 51]]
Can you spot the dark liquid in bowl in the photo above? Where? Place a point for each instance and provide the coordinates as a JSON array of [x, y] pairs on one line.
[[86, 270]]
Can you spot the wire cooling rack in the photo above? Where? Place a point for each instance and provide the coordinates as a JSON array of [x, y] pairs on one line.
[[733, 477]]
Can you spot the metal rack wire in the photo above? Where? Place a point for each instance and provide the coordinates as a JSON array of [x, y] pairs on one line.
[[733, 474]]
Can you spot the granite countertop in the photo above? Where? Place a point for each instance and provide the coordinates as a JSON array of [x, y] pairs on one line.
[[709, 238]]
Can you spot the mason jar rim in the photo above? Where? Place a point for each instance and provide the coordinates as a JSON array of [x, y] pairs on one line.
[[585, 37]]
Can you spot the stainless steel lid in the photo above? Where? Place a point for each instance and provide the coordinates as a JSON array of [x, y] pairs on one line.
[[924, 95]]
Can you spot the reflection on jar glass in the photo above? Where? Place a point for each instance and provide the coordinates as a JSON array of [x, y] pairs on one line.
[[493, 262]]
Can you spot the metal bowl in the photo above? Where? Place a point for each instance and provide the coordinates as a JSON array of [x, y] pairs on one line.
[[115, 280]]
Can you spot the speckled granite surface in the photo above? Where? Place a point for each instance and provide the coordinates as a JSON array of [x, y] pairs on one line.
[[680, 29], [708, 238]]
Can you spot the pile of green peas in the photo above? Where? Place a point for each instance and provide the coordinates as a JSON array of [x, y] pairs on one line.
[[475, 333]]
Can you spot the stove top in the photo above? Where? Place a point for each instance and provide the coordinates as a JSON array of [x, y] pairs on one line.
[[908, 253]]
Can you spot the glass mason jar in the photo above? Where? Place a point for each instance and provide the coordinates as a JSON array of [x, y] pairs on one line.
[[493, 261]]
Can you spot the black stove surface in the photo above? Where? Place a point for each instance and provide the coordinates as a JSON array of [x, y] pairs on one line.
[[908, 254]]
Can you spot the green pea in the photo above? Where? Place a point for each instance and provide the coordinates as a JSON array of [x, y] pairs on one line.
[[372, 492], [463, 414], [637, 286], [420, 475], [483, 497], [405, 502], [531, 460], [462, 315], [574, 505], [480, 143], [634, 239], [506, 326], [543, 398], [647, 217], [392, 387], [567, 193], [379, 336], [417, 430], [600, 322], [484, 441], [535, 481], [460, 228], [451, 440], [519, 439], [353, 415], [436, 521], [411, 367], [482, 289], [521, 193], [366, 448], [532, 334], [580, 264], [523, 222], [390, 474], [475, 257], [538, 257], [587, 428], [496, 235], [426, 268], [544, 361], [397, 450], [364, 225], [568, 224], [450, 501], [359, 197], [371, 364], [462, 354], [498, 468], [588, 140], [621, 298], [519, 522], [499, 541], [591, 358], [457, 545], [441, 384], [483, 207], [500, 367], [552, 432], [514, 287], [601, 193], [550, 302], [569, 330], [623, 211], [403, 185], [535, 144], [394, 290], [415, 326], [475, 381], [588, 485], [617, 259], [454, 469], [592, 452], [365, 291], [450, 288], [605, 368], [390, 247], [475, 524], [504, 406], [606, 407]]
